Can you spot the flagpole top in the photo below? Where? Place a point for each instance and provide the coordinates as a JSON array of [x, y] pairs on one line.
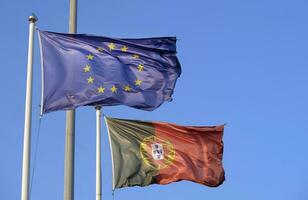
[[98, 107], [32, 18]]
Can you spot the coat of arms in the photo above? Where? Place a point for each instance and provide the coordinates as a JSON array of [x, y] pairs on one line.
[[156, 152]]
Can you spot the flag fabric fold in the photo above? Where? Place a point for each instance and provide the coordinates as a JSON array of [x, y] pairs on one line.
[[145, 153], [81, 70]]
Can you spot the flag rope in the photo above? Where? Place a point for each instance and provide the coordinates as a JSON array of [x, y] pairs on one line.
[[113, 194], [35, 153]]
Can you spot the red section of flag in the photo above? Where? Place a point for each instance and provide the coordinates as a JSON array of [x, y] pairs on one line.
[[197, 155]]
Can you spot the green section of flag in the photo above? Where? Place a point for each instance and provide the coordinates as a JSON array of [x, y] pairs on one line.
[[128, 166]]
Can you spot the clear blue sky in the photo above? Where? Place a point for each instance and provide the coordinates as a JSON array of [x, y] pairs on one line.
[[244, 63]]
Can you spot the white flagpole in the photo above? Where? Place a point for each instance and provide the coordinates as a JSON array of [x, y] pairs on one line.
[[98, 154], [28, 114]]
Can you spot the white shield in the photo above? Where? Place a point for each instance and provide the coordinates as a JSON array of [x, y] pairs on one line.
[[157, 151]]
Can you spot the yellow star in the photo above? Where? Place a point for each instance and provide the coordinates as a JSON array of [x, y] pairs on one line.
[[114, 89], [138, 82], [100, 49], [87, 68], [135, 56], [124, 48], [111, 46], [101, 89], [90, 57], [127, 88], [140, 67], [90, 80]]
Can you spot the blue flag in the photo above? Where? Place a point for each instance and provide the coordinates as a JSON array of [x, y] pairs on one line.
[[81, 70]]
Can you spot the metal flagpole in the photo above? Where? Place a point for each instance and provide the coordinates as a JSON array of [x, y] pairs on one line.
[[28, 115], [70, 125], [98, 154]]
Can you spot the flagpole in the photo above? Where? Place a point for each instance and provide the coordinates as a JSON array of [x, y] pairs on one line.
[[28, 114], [70, 125], [98, 154]]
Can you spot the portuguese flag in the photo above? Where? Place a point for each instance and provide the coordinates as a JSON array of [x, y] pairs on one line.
[[145, 153]]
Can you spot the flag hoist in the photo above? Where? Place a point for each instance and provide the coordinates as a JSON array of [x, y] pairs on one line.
[[28, 114]]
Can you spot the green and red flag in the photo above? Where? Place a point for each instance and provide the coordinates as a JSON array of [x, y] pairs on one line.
[[145, 153]]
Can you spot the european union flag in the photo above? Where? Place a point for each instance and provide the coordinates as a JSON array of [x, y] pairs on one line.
[[81, 70]]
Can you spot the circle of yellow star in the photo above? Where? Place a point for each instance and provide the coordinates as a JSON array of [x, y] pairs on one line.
[[87, 68], [101, 89], [114, 89], [90, 57], [124, 48], [90, 80], [100, 49], [138, 82], [140, 67], [135, 56], [111, 46], [127, 88]]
